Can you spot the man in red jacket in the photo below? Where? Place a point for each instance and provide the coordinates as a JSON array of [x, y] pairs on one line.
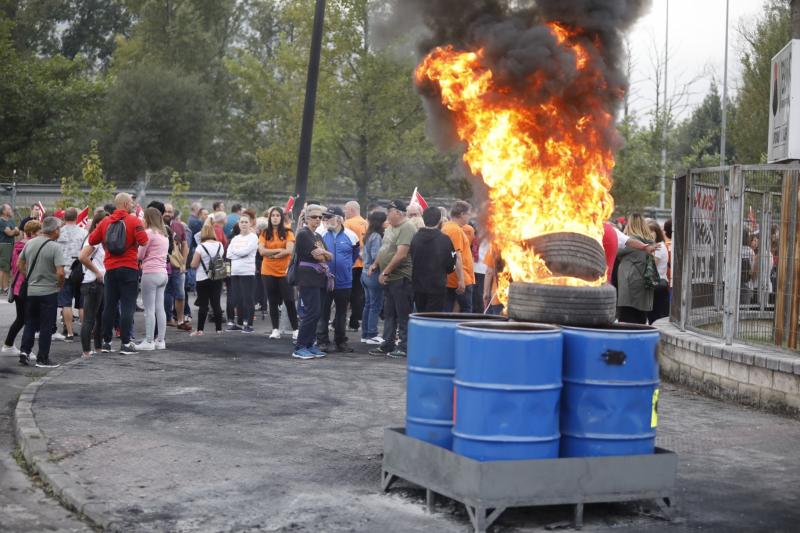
[[122, 272]]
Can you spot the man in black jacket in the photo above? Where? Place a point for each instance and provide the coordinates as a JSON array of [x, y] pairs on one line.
[[433, 257]]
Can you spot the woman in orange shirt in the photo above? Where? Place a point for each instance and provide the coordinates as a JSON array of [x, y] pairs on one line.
[[276, 245]]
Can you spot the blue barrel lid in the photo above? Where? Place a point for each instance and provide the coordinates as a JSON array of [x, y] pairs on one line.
[[457, 317], [510, 327], [617, 327]]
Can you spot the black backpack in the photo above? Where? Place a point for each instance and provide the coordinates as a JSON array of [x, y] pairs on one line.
[[216, 269], [116, 237]]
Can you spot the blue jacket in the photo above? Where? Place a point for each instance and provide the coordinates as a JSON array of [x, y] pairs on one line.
[[345, 249]]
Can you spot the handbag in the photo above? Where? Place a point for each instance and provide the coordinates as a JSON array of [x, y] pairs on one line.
[[23, 289]]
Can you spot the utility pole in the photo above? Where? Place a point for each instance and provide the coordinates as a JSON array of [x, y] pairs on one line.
[[722, 139], [309, 106], [663, 185]]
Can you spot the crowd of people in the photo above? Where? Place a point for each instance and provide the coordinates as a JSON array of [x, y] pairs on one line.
[[330, 274]]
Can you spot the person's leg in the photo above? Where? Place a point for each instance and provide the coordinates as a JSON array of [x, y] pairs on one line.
[[19, 321], [66, 312], [149, 301], [111, 303], [631, 315], [449, 300], [230, 309], [477, 293], [248, 299], [31, 324], [128, 289], [273, 293], [287, 295], [310, 297], [403, 303], [465, 300], [234, 297], [342, 299], [180, 295], [97, 331], [389, 317], [161, 314], [169, 301], [420, 302], [48, 311], [356, 300], [215, 297], [326, 299], [88, 291], [203, 299]]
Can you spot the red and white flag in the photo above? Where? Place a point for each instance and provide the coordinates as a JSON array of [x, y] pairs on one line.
[[290, 204], [83, 218], [42, 210], [416, 198]]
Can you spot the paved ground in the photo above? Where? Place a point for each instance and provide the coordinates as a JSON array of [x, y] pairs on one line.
[[228, 433]]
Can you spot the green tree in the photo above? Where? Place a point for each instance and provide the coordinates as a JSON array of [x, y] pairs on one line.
[[180, 187], [100, 190], [71, 193], [749, 128]]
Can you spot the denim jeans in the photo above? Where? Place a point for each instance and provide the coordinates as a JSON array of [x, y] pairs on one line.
[[92, 294], [356, 299], [40, 315], [122, 286], [340, 297], [397, 304], [464, 300], [373, 303], [311, 301], [174, 291]]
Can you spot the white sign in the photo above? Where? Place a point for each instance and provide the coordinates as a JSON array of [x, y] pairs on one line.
[[784, 105], [703, 243]]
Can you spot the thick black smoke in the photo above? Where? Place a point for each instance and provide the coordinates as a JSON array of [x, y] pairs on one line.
[[518, 45]]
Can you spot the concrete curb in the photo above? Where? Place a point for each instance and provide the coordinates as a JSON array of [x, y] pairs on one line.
[[33, 445]]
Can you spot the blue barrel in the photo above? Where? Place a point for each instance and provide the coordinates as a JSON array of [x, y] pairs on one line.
[[431, 363], [608, 406], [508, 386]]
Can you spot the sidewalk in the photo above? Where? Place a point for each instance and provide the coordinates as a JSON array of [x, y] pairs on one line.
[[229, 433]]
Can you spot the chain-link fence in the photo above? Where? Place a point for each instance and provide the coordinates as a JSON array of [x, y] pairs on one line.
[[735, 240]]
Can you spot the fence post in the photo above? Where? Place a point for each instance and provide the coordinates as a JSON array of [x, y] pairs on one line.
[[733, 253], [686, 249]]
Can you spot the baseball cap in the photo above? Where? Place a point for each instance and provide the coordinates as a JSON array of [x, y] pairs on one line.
[[400, 205], [334, 211]]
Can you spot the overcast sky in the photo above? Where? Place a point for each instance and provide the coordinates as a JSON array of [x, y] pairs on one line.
[[696, 46]]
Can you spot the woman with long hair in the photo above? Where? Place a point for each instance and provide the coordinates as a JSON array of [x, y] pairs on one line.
[[242, 253], [92, 289], [634, 299], [373, 291], [209, 291], [661, 293], [153, 257], [30, 230], [276, 246]]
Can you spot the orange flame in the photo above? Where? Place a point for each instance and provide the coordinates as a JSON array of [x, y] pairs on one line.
[[547, 167]]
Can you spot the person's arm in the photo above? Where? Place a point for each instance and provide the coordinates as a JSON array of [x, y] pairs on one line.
[[60, 276], [488, 282], [138, 233], [399, 255], [196, 259], [96, 237], [85, 257], [184, 249], [11, 231], [460, 274], [284, 252]]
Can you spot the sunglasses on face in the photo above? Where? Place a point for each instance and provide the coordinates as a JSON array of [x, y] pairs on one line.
[[315, 217]]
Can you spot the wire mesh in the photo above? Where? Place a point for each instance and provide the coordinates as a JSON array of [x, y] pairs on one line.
[[764, 308]]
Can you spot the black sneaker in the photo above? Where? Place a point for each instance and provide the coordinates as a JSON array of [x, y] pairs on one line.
[[380, 351], [397, 354], [106, 347], [128, 349], [23, 359], [46, 364], [344, 348], [324, 346], [69, 338]]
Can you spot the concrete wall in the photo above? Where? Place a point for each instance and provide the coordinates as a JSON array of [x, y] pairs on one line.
[[760, 376]]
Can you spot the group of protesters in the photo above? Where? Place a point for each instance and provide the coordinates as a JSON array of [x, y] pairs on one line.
[[306, 276]]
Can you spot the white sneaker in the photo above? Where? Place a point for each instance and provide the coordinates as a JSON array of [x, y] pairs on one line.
[[276, 334], [294, 334], [58, 337], [145, 346], [161, 345], [11, 350], [375, 340]]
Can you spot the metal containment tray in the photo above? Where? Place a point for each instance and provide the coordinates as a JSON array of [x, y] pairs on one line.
[[488, 488]]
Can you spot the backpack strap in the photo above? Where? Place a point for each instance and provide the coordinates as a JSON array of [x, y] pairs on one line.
[[35, 257], [203, 246]]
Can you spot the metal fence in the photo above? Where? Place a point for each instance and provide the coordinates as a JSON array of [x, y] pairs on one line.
[[735, 272]]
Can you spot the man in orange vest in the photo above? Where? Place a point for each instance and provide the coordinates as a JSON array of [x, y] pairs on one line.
[[358, 225]]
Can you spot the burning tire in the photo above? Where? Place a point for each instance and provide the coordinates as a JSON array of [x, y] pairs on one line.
[[556, 304], [571, 254]]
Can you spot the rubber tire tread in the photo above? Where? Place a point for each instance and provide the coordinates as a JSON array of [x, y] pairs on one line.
[[569, 306], [571, 254]]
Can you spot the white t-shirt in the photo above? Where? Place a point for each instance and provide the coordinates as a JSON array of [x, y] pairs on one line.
[[98, 255], [213, 248], [483, 248], [622, 240], [662, 260], [242, 253]]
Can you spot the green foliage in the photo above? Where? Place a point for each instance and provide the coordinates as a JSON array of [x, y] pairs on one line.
[[100, 190], [71, 193], [179, 188], [769, 34]]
